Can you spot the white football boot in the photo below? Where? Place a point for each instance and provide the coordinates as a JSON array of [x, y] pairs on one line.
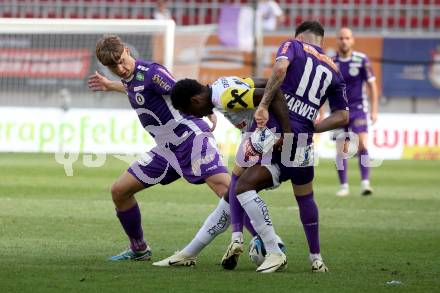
[[230, 259], [366, 188], [318, 266], [343, 190], [273, 262], [177, 260]]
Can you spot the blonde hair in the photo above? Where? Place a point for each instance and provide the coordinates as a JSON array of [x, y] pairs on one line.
[[109, 50]]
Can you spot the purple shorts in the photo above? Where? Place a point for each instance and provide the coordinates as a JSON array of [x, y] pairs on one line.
[[358, 122], [297, 165], [195, 159]]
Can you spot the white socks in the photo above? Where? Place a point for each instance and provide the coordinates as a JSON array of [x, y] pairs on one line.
[[237, 236], [315, 256], [260, 219], [216, 223]]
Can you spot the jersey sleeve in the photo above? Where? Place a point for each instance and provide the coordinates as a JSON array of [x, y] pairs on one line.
[[286, 51], [367, 70], [337, 98], [160, 80]]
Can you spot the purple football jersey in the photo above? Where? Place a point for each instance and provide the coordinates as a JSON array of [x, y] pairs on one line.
[[311, 79], [148, 91], [356, 70]]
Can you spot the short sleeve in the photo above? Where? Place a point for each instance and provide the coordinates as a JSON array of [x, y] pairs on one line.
[[160, 80], [368, 70], [338, 95], [286, 51]]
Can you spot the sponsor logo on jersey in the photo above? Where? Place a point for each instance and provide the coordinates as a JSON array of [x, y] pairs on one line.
[[157, 79], [225, 83], [139, 99], [143, 68], [140, 76], [353, 71], [138, 88], [237, 99], [356, 59]]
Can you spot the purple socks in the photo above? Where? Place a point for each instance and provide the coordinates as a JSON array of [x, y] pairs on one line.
[[237, 212], [238, 215], [341, 166], [308, 212], [364, 161], [131, 222]]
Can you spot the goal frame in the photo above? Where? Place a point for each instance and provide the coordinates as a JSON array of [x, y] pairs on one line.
[[94, 26]]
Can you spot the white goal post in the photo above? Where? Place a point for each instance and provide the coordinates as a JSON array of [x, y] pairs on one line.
[[94, 26]]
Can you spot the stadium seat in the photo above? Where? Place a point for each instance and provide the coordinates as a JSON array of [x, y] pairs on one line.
[[414, 21], [437, 22], [355, 21], [367, 21], [391, 21], [402, 22], [344, 20], [29, 14], [425, 22], [396, 15], [333, 20], [7, 14], [378, 22]]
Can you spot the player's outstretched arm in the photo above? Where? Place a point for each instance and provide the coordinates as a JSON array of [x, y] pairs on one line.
[[337, 119], [98, 82]]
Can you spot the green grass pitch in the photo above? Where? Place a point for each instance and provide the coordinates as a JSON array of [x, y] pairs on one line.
[[56, 232]]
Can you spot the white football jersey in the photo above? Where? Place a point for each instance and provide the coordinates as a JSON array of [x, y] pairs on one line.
[[234, 98]]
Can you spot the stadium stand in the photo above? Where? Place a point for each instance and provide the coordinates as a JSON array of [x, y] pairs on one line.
[[362, 15]]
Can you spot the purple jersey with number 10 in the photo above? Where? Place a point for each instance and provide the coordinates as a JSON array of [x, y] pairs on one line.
[[311, 79]]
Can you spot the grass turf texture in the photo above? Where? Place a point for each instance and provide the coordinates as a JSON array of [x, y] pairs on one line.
[[56, 232]]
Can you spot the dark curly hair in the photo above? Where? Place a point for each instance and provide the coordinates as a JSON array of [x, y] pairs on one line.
[[310, 26], [182, 92]]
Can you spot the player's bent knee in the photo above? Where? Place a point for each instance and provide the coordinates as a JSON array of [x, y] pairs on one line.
[[221, 189], [118, 192]]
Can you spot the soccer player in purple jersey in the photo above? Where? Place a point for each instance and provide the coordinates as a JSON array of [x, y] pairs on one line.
[[148, 86], [356, 70], [307, 77]]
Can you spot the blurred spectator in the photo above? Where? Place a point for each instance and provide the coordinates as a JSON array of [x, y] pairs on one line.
[[161, 11], [270, 13]]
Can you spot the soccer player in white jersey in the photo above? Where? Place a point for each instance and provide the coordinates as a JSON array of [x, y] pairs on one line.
[[356, 70], [236, 99]]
